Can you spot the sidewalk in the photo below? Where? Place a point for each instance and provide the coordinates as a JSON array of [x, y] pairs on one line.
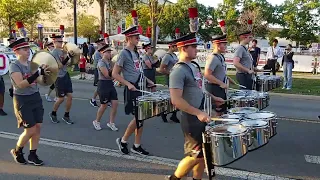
[[294, 75]]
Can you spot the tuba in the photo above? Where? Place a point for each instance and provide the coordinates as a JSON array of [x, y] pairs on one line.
[[4, 64], [46, 58], [74, 50]]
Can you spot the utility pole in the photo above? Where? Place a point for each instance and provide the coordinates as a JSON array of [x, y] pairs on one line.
[[75, 33], [109, 17]]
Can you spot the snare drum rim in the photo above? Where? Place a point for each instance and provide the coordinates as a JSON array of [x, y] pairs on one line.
[[210, 131], [260, 112], [266, 125]]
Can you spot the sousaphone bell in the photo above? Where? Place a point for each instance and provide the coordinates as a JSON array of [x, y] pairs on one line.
[[46, 58], [72, 49]]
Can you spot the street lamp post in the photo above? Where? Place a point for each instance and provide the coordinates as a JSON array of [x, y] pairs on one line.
[[75, 33]]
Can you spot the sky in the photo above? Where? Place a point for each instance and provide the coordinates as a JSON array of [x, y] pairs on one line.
[[214, 3]]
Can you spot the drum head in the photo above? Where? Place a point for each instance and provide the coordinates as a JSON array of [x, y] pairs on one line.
[[228, 129], [243, 110], [261, 115], [254, 123], [230, 116]]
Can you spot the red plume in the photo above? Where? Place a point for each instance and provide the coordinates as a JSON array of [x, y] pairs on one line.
[[105, 35], [61, 27], [249, 21], [222, 23], [193, 12], [19, 24], [134, 13], [177, 30]]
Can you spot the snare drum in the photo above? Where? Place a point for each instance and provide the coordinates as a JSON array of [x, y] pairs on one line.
[[149, 106], [228, 142], [263, 100], [243, 110], [259, 133], [269, 117]]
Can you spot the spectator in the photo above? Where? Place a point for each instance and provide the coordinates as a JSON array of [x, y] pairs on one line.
[[82, 66], [255, 53], [287, 64], [85, 51]]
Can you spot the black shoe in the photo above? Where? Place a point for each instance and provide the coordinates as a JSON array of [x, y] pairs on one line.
[[319, 117], [2, 113], [53, 118], [164, 118], [67, 120], [33, 159], [94, 103], [139, 150], [123, 147], [18, 157]]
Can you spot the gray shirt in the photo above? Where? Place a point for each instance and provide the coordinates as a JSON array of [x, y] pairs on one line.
[[131, 67], [169, 59], [26, 72], [182, 78], [245, 57], [217, 65], [107, 65], [58, 54], [96, 58], [147, 58]]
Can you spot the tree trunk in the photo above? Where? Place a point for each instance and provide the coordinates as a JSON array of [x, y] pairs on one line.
[[9, 24], [102, 19]]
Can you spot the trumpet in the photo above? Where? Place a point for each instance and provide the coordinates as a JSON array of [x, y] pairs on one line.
[[72, 49], [46, 58]]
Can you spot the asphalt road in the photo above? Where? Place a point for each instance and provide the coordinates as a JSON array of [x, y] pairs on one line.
[[283, 156]]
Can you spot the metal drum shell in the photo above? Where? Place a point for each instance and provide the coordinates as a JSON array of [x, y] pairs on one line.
[[227, 148], [149, 107], [259, 133], [270, 118]]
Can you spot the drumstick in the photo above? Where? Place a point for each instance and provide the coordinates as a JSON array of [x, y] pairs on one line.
[[144, 91], [219, 119], [161, 85]]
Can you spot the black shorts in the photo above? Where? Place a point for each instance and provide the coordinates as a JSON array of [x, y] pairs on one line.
[[2, 86], [82, 69], [28, 109], [96, 77], [129, 97], [106, 91], [192, 130], [63, 85], [217, 91], [246, 80]]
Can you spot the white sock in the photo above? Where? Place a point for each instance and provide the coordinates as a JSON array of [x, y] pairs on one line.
[[93, 100], [123, 141], [136, 145]]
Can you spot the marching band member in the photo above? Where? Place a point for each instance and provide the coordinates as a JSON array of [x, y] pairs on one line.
[[186, 95], [106, 91], [96, 58], [149, 65], [216, 72], [129, 65], [168, 61], [63, 83], [50, 47], [27, 102], [11, 40], [243, 62]]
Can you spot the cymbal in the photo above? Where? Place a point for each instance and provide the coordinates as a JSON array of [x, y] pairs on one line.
[[46, 58]]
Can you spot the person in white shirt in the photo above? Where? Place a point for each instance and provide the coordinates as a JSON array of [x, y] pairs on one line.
[[274, 52]]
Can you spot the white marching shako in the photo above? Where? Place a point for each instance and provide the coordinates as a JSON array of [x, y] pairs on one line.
[[4, 64]]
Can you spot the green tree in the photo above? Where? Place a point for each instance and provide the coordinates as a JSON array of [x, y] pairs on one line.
[[87, 26], [300, 20], [26, 11]]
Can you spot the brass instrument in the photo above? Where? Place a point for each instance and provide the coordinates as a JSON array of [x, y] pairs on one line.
[[72, 49], [46, 58]]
